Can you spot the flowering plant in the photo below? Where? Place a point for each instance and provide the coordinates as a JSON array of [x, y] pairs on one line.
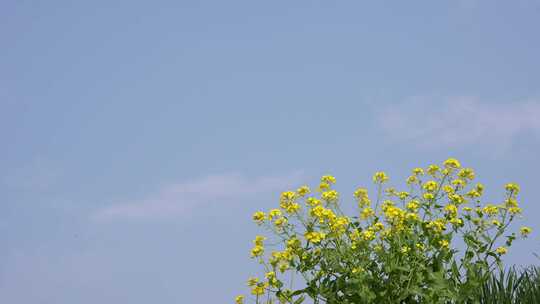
[[401, 248]]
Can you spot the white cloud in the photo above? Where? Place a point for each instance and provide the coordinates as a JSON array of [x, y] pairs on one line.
[[456, 122], [180, 198]]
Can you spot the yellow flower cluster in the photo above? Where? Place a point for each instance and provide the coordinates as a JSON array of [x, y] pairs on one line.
[[314, 237], [417, 224], [258, 249], [361, 194], [288, 202], [380, 177]]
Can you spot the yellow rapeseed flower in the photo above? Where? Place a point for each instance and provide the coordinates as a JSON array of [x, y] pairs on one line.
[[259, 217], [367, 213], [452, 163], [428, 196], [418, 171], [413, 205], [280, 222], [466, 173], [330, 196], [458, 183], [329, 179], [252, 281], [380, 177], [239, 299], [274, 213], [490, 210], [259, 289], [444, 244], [513, 188], [313, 201], [433, 169], [525, 231], [515, 210], [412, 179], [368, 235], [501, 250], [259, 239], [315, 237], [405, 249], [303, 191], [451, 209], [430, 186]]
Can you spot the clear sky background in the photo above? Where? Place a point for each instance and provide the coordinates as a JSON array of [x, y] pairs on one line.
[[138, 137]]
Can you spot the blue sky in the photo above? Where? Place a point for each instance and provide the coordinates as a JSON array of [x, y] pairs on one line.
[[139, 137]]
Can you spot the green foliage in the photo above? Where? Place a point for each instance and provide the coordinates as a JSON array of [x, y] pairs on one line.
[[512, 287]]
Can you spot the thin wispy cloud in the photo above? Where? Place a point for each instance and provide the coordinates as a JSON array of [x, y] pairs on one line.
[[178, 199], [460, 121]]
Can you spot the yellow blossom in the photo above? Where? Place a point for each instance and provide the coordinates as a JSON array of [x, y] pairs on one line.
[[456, 199], [513, 188], [456, 221], [496, 223], [490, 210], [288, 196], [368, 235], [511, 202], [252, 281], [430, 186], [525, 231], [380, 177], [329, 179], [274, 213], [444, 244], [433, 169], [367, 212], [257, 251], [448, 189], [271, 277], [412, 216], [405, 249], [514, 210], [413, 205], [452, 163], [259, 239], [428, 196], [259, 217], [418, 171], [330, 196], [303, 191], [437, 225], [314, 237], [378, 226], [412, 179], [313, 201], [451, 209], [280, 222], [239, 299], [466, 173], [501, 250], [259, 289], [459, 183], [360, 193], [403, 195]]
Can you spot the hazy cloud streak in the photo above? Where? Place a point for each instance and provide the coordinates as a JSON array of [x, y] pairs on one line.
[[181, 198], [455, 122]]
